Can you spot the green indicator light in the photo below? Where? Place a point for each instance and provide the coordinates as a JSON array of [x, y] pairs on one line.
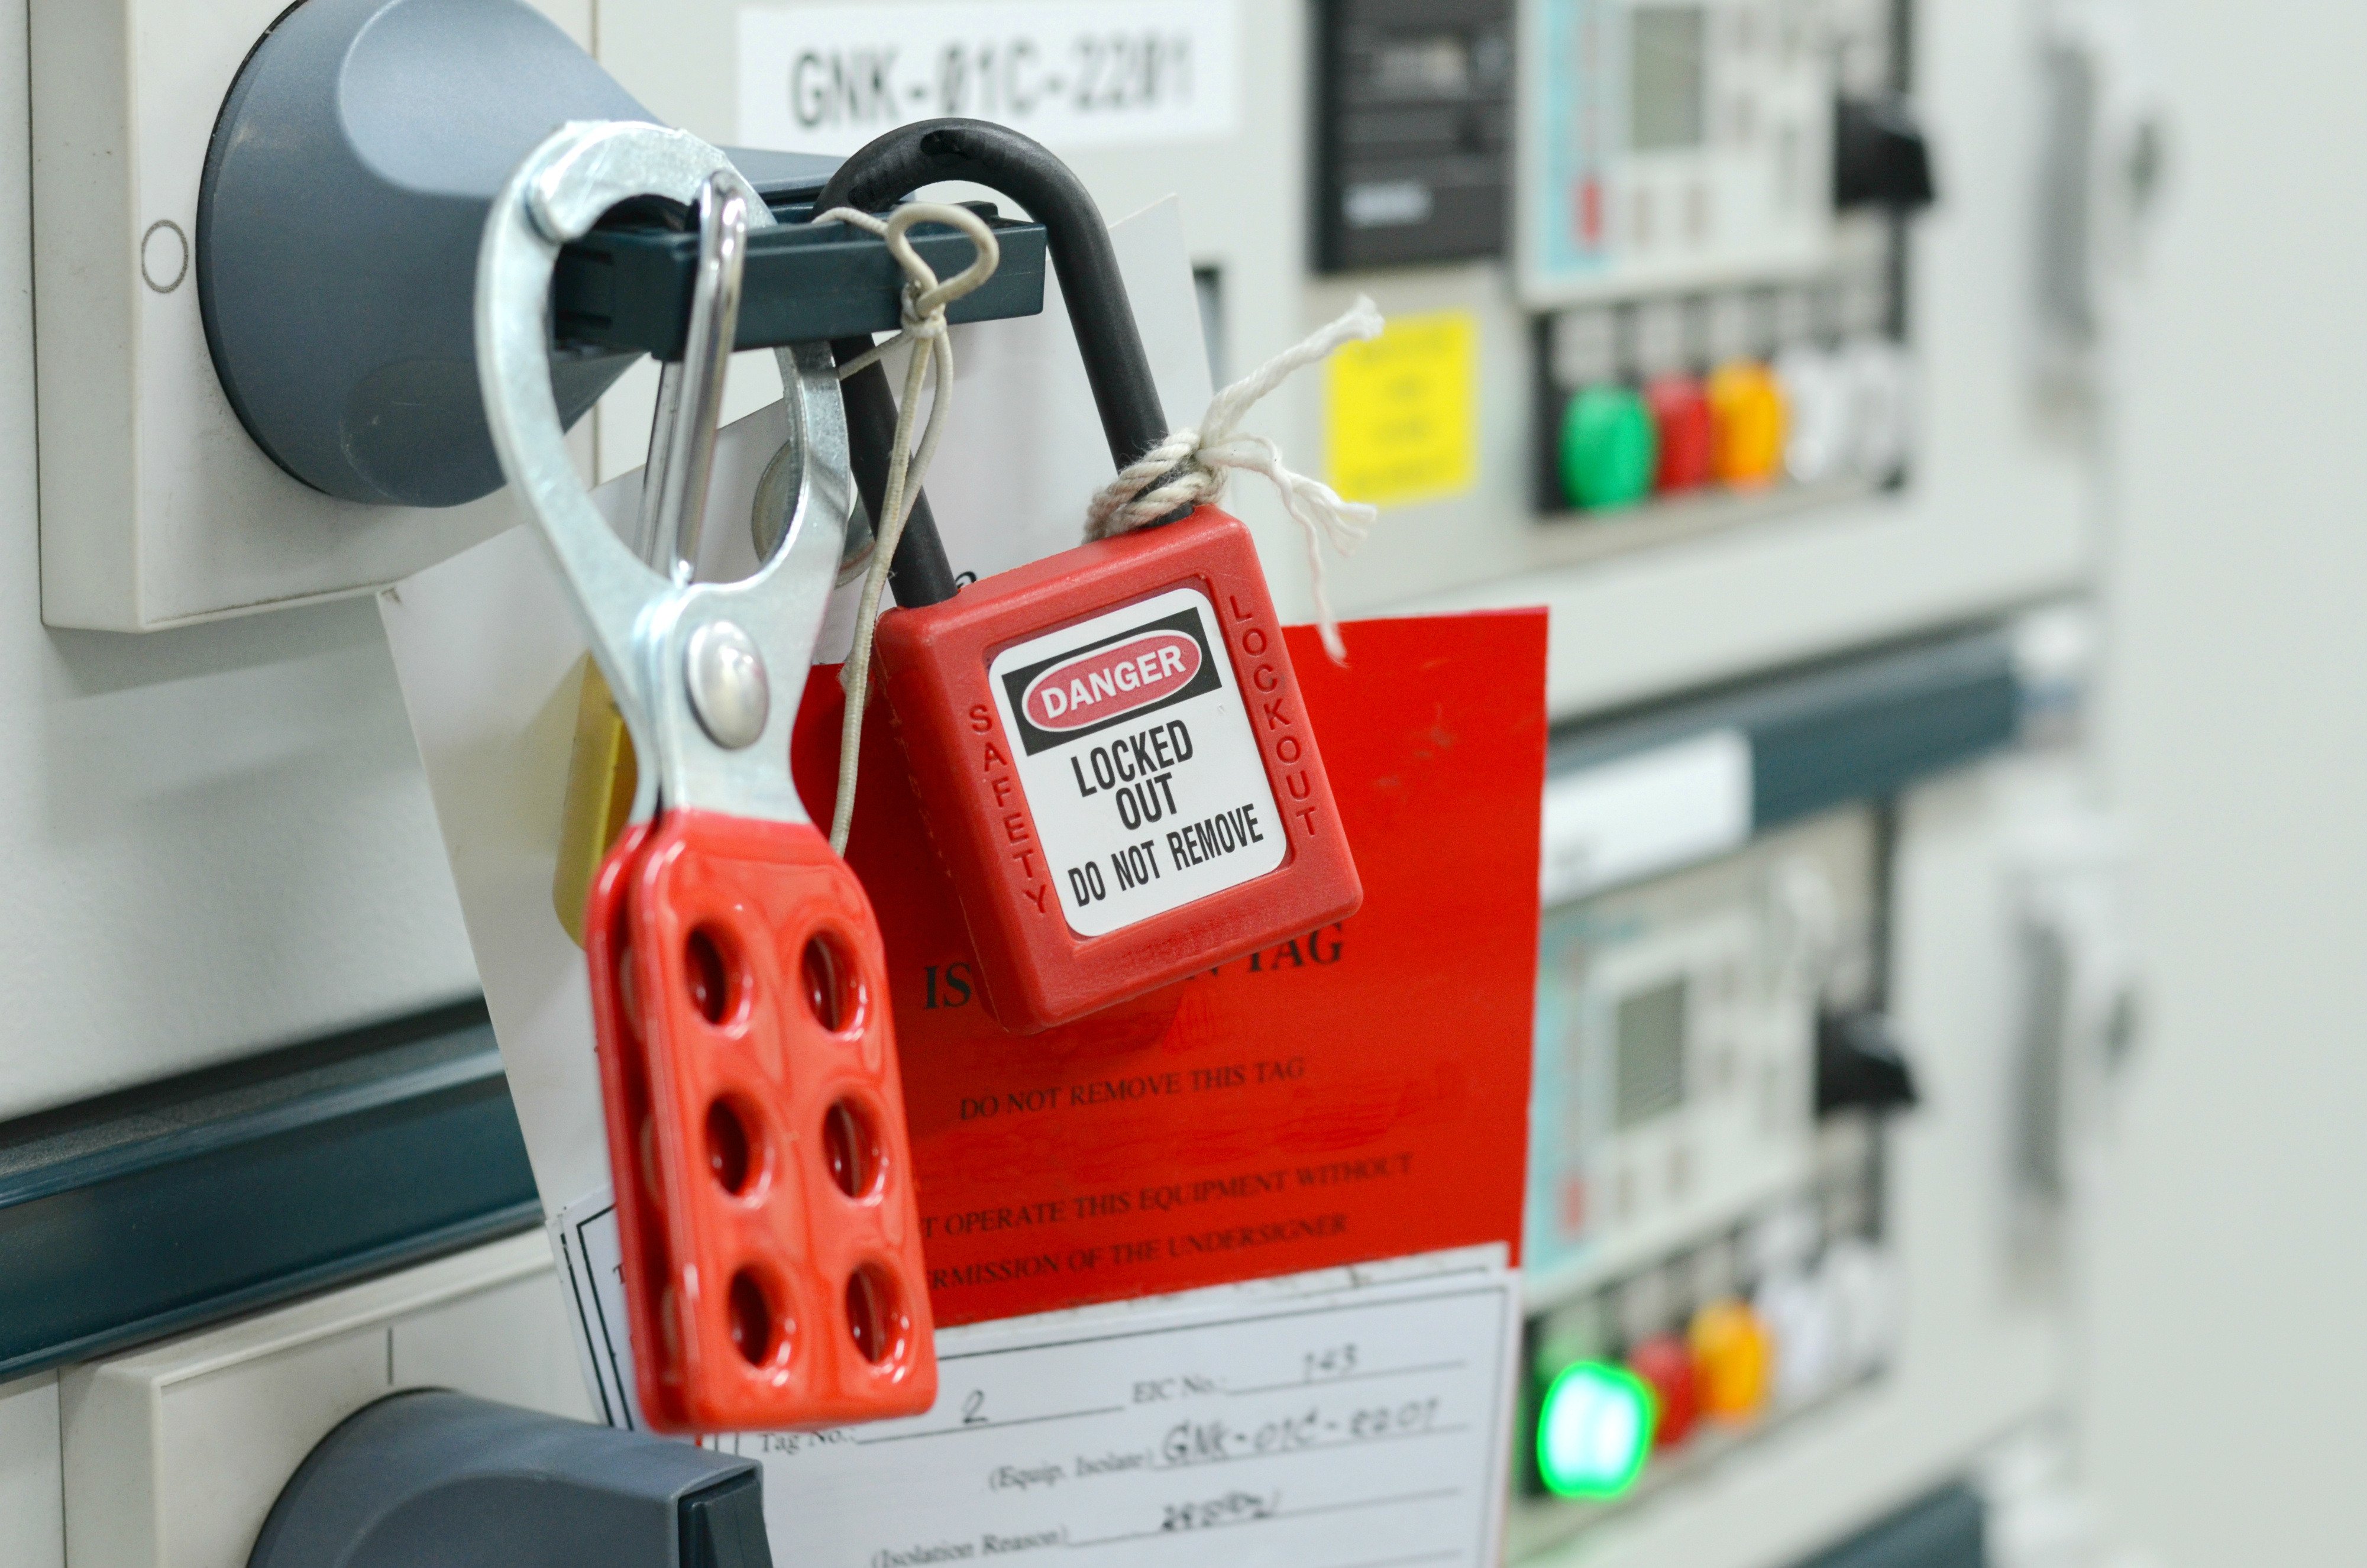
[[1594, 1430], [1610, 449]]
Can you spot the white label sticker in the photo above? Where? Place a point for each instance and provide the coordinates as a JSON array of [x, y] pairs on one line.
[[1073, 73], [1137, 760], [1652, 811]]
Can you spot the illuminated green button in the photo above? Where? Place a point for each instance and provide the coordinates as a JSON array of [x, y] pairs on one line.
[[1610, 449], [1594, 1431]]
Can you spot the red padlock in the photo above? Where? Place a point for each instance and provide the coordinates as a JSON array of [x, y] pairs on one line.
[[755, 1123], [1108, 745]]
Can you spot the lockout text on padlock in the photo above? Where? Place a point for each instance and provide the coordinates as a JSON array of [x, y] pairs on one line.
[[1132, 721]]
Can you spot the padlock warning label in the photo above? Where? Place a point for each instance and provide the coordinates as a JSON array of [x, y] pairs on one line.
[[1137, 761]]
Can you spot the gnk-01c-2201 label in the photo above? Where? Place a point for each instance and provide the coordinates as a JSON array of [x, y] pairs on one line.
[[1137, 761], [1073, 73]]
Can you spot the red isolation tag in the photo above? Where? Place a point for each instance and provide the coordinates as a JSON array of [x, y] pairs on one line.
[[1355, 1092]]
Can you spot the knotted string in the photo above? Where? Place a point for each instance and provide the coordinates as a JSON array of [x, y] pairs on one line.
[[1193, 464], [925, 299]]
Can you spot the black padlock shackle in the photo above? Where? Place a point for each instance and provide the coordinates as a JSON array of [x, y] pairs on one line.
[[893, 167]]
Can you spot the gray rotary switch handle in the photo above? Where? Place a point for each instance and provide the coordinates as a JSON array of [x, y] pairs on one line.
[[338, 220], [440, 1478]]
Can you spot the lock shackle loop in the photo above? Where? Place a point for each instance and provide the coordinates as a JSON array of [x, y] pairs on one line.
[[895, 164], [893, 167]]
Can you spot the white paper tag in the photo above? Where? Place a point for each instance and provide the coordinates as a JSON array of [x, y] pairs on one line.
[[591, 1271], [1137, 758], [1345, 1418], [1073, 73], [1652, 811]]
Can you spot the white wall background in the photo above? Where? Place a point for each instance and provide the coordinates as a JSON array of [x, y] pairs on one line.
[[2227, 1409]]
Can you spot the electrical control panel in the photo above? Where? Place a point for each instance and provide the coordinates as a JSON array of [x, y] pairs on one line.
[[156, 509], [1723, 393], [1704, 1252], [1719, 336], [1676, 1038], [174, 1452], [1725, 420]]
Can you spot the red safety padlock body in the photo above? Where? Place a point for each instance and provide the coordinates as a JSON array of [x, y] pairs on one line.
[[1108, 743], [756, 1129], [1112, 757]]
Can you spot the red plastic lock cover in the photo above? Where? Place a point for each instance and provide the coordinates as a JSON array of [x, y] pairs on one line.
[[763, 1173]]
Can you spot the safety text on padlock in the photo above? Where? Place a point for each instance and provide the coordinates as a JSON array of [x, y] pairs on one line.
[[1136, 751]]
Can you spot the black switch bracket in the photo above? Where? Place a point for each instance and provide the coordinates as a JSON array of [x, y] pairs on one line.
[[629, 287]]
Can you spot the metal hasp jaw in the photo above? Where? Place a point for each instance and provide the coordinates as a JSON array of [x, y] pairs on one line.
[[338, 216], [442, 1477], [755, 1117]]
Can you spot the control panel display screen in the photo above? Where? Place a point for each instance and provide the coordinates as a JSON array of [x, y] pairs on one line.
[[1650, 1054], [1666, 83]]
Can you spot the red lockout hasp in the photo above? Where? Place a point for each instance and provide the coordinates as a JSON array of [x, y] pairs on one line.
[[757, 1127]]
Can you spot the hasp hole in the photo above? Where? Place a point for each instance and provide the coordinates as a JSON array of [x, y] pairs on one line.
[[753, 1331], [708, 971], [833, 988], [875, 1315], [851, 1145], [730, 1148]]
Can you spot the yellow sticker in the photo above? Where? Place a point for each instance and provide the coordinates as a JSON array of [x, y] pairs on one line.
[[1397, 412]]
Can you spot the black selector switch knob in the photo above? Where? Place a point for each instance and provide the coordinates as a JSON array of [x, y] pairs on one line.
[[1859, 1063], [1880, 158], [441, 1478]]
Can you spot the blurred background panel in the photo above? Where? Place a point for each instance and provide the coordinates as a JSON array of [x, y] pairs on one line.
[[2225, 1372]]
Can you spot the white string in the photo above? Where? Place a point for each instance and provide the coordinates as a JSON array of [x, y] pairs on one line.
[[1191, 465], [925, 300]]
